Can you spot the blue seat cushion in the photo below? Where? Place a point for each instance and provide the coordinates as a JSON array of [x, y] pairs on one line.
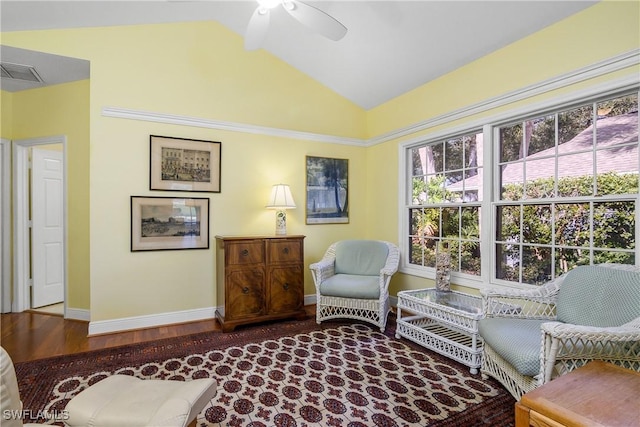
[[363, 257], [599, 296], [351, 286], [516, 340]]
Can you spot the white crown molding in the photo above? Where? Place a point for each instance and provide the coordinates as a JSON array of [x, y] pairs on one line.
[[99, 327], [150, 116], [616, 63]]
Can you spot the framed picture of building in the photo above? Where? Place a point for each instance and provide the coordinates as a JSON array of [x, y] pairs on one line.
[[327, 191], [179, 164], [164, 223]]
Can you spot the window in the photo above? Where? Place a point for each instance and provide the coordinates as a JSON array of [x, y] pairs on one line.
[[445, 206], [562, 192], [568, 184]]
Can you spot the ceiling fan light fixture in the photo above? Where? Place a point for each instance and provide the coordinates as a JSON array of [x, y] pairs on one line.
[[310, 16]]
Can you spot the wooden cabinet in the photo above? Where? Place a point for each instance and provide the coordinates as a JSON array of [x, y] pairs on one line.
[[259, 279]]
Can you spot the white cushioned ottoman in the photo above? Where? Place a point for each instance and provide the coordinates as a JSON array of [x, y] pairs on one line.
[[123, 400]]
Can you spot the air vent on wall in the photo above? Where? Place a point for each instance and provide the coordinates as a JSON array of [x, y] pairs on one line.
[[20, 72]]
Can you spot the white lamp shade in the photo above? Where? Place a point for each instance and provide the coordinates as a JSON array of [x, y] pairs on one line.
[[281, 198]]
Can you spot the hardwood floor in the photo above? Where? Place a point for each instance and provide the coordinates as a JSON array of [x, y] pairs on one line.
[[29, 336]]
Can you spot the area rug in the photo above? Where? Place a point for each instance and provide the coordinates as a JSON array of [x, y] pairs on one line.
[[294, 373]]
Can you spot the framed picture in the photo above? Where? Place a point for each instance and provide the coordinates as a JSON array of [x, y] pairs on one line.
[[164, 223], [179, 164], [327, 191]]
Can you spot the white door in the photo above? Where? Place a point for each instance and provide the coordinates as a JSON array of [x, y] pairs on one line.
[[47, 232]]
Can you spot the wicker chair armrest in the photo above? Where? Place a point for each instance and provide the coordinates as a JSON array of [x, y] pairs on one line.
[[388, 272], [559, 330], [323, 265], [567, 346], [393, 260], [322, 270]]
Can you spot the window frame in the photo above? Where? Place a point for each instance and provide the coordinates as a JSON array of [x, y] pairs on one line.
[[490, 125], [438, 138]]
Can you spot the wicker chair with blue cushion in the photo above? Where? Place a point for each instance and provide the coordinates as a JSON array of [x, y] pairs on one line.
[[589, 313], [352, 281]]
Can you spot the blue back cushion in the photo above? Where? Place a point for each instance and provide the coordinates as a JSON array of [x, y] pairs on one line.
[[599, 296], [361, 257]]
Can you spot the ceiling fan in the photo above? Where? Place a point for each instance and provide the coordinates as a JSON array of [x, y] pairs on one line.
[[310, 16]]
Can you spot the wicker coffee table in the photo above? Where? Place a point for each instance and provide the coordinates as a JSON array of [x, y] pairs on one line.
[[445, 322]]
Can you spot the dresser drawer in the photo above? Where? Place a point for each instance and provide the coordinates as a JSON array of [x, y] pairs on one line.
[[244, 252], [245, 292], [284, 251]]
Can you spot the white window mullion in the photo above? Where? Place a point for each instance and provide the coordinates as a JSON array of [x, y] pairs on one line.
[[591, 230], [489, 192]]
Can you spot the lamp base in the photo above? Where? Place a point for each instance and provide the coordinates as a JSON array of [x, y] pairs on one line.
[[281, 222]]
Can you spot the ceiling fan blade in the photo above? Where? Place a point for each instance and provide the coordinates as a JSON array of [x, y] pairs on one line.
[[257, 29], [315, 19]]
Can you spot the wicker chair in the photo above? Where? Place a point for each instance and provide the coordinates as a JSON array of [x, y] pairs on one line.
[[352, 281], [589, 313]]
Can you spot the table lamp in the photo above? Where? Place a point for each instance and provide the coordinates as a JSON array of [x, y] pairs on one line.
[[281, 199]]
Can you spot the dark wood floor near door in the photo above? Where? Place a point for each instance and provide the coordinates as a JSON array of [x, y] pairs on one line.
[[29, 336]]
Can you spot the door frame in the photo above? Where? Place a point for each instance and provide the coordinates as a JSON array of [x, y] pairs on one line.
[[21, 221], [5, 224]]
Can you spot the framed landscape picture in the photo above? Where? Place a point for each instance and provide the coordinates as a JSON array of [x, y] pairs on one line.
[[164, 223], [179, 164], [327, 191]]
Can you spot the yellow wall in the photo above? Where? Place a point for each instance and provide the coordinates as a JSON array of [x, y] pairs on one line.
[[6, 114], [201, 70], [64, 110]]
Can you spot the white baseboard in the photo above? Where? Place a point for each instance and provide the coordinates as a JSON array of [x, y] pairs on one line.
[[310, 299], [99, 327], [140, 322], [77, 314]]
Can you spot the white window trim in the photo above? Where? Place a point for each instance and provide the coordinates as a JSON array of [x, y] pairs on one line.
[[488, 124]]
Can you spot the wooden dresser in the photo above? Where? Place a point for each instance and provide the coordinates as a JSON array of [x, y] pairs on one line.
[[259, 278]]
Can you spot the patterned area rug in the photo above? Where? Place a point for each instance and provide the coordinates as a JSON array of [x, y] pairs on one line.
[[289, 374]]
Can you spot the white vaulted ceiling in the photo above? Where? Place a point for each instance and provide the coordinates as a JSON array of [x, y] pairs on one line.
[[391, 47]]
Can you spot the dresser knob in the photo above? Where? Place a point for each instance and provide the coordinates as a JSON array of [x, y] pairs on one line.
[[285, 287], [245, 252], [285, 250], [245, 290]]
